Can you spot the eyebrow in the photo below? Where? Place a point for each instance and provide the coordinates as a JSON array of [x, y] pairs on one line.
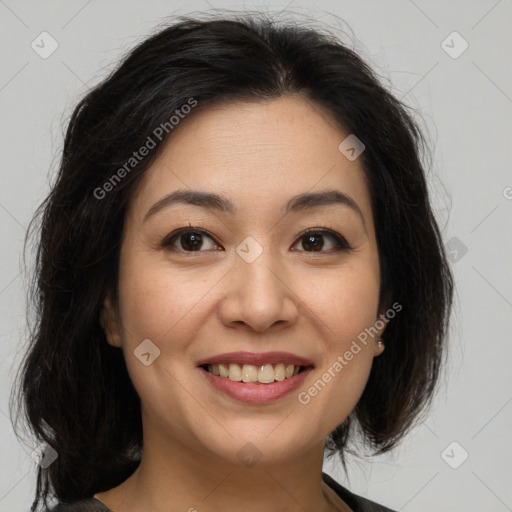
[[215, 202]]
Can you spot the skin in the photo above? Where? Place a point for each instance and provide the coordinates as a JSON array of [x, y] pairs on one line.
[[197, 304]]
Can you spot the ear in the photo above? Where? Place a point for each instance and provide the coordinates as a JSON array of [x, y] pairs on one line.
[[109, 321], [378, 348], [380, 324]]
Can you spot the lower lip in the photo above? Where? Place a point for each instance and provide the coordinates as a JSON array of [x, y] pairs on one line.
[[256, 393]]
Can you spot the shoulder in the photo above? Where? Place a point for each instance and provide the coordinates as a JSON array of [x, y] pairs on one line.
[[85, 505], [356, 503]]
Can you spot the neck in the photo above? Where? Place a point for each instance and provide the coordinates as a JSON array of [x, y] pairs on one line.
[[171, 476]]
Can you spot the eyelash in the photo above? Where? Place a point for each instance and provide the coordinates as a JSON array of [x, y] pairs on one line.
[[341, 242]]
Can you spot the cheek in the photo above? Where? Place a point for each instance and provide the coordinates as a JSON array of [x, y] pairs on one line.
[[338, 384], [157, 302], [345, 304], [159, 305], [344, 300], [168, 307]]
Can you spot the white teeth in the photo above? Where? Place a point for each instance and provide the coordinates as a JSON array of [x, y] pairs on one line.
[[249, 373], [265, 374], [223, 369], [279, 372], [235, 372]]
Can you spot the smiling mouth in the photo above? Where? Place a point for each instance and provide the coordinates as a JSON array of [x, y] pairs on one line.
[[254, 374]]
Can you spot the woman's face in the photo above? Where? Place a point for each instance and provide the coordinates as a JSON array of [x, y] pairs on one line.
[[246, 279]]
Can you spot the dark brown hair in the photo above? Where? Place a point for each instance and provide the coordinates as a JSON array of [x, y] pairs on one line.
[[74, 389]]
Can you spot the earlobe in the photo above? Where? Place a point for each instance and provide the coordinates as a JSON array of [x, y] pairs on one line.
[[379, 348], [379, 344], [109, 322]]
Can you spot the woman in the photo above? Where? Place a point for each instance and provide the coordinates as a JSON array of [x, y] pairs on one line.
[[238, 268]]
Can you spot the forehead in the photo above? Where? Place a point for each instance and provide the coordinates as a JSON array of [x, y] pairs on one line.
[[258, 154]]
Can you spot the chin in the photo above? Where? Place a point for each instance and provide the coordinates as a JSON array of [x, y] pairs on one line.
[[264, 443]]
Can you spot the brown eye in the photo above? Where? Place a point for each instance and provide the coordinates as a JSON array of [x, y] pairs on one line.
[[313, 241], [197, 240], [187, 240]]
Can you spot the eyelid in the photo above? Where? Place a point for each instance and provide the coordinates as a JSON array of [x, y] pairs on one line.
[[342, 243], [186, 229]]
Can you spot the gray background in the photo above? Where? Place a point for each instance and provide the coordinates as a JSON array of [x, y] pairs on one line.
[[466, 105]]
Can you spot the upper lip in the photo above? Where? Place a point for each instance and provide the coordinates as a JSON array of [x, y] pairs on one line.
[[256, 359]]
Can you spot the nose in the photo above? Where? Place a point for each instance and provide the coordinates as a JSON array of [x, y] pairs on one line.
[[259, 295]]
